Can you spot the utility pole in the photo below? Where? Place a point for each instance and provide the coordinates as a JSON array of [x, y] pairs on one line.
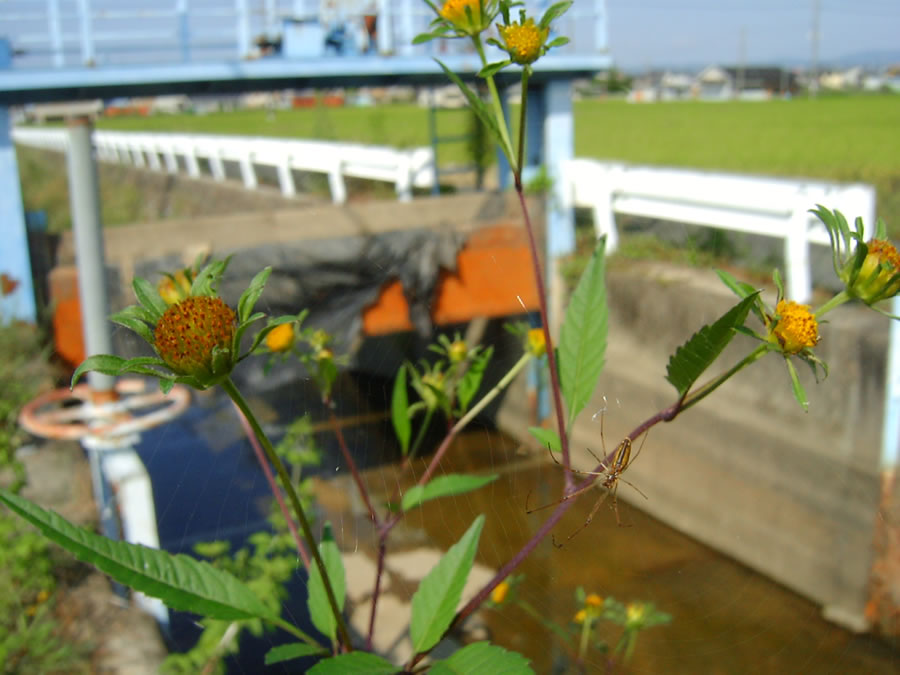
[[742, 63], [814, 60]]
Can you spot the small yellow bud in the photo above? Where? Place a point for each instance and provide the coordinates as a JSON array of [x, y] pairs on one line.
[[875, 280], [536, 343], [593, 600], [281, 338], [796, 329], [458, 351], [634, 614], [457, 12], [324, 354], [174, 291], [498, 595], [580, 616]]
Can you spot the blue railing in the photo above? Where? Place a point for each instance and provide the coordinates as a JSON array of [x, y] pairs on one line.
[[75, 33]]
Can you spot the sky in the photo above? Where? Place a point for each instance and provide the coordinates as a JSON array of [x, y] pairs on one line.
[[659, 33]]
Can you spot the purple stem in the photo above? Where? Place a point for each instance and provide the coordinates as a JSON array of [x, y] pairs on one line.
[[350, 463], [273, 486]]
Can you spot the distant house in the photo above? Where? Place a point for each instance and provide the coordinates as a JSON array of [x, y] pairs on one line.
[[675, 86], [720, 83]]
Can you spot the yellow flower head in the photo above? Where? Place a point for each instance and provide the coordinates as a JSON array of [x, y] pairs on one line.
[[458, 351], [535, 342], [498, 595], [174, 290], [593, 600], [524, 41], [876, 279], [457, 12], [281, 338], [634, 614], [324, 354], [797, 328], [192, 334], [580, 616]]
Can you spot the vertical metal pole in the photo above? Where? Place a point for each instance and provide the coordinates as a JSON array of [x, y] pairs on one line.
[[87, 40], [600, 31], [84, 194], [243, 28], [184, 29], [14, 260], [408, 32], [385, 27], [56, 43]]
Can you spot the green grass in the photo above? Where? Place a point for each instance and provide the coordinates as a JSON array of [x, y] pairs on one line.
[[852, 138]]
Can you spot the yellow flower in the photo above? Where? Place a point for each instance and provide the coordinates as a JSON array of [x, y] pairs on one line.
[[634, 614], [458, 351], [172, 291], [498, 595], [281, 338], [580, 616], [457, 12], [524, 41], [324, 354], [797, 328], [878, 275], [536, 343], [593, 600], [193, 335]]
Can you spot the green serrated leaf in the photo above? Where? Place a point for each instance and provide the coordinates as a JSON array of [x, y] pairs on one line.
[[400, 410], [796, 387], [471, 381], [743, 290], [482, 657], [148, 296], [178, 580], [434, 602], [547, 437], [698, 353], [295, 650], [317, 601], [444, 486], [582, 342], [354, 663], [251, 295]]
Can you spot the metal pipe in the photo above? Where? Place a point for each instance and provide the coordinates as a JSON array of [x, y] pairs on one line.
[[84, 194]]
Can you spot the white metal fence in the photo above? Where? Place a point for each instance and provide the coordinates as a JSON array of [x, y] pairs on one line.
[[192, 153], [772, 207]]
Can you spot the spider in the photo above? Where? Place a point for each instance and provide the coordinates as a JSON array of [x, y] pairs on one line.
[[622, 459]]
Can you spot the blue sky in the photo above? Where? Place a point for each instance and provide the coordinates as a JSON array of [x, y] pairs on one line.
[[660, 33]]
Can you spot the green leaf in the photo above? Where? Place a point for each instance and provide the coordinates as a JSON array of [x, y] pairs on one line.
[[697, 354], [269, 327], [558, 42], [582, 342], [251, 295], [484, 113], [178, 580], [295, 650], [148, 296], [554, 12], [135, 312], [109, 364], [471, 380], [136, 325], [444, 486], [354, 663], [317, 600], [400, 410], [482, 657], [492, 69], [799, 391], [743, 290], [547, 437], [207, 280], [435, 601]]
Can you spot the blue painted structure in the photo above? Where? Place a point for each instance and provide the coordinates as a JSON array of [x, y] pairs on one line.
[[105, 49]]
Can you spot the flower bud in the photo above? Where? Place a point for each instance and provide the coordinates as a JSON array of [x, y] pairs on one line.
[[281, 338], [796, 330], [524, 41], [879, 275], [535, 342], [466, 15]]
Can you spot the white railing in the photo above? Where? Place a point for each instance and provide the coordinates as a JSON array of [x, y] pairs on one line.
[[772, 207], [190, 152]]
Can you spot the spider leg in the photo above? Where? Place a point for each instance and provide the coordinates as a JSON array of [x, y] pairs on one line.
[[591, 515], [566, 498]]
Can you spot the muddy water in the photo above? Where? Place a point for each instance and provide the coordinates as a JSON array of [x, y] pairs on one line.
[[726, 618]]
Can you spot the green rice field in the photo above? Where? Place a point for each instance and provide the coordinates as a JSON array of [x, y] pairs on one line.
[[850, 138]]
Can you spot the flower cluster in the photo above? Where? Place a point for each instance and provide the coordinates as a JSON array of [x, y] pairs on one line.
[[796, 328]]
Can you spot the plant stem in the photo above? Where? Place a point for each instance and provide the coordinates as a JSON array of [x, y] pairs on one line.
[[708, 388], [496, 103], [414, 450], [522, 119], [228, 385], [273, 486], [545, 324], [293, 630], [836, 301], [354, 471]]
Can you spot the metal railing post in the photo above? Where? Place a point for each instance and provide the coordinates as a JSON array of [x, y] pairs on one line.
[[84, 194]]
